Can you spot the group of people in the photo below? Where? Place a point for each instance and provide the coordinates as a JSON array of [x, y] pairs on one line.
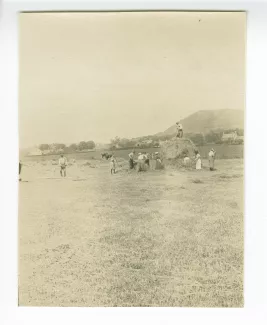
[[142, 159], [63, 164], [198, 161], [211, 157]]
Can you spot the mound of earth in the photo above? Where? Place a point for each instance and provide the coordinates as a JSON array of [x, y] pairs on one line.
[[177, 148]]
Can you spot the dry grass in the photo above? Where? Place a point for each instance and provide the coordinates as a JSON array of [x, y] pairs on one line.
[[197, 181], [131, 239]]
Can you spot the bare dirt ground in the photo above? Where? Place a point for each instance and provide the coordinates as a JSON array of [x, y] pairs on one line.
[[160, 238]]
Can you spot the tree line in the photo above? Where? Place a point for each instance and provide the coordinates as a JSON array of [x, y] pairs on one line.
[[212, 137], [57, 147]]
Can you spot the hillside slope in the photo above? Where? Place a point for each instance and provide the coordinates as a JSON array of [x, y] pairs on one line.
[[204, 121]]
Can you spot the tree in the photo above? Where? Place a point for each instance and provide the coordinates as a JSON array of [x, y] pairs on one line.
[[57, 146], [131, 143], [90, 144], [82, 145], [114, 142], [61, 146], [73, 147], [44, 146]]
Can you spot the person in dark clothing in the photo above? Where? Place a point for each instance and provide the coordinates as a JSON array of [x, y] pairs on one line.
[[131, 160], [20, 167], [147, 158]]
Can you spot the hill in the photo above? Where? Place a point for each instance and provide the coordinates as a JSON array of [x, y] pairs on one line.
[[205, 121]]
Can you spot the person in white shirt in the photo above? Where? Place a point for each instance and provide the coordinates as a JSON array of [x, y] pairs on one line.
[[197, 160], [140, 156], [113, 162], [212, 159], [63, 165], [180, 132], [141, 162], [186, 161]]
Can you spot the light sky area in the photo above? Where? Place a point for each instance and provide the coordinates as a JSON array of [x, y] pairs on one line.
[[94, 76]]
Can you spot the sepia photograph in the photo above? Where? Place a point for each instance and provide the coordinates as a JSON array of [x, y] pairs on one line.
[[131, 159]]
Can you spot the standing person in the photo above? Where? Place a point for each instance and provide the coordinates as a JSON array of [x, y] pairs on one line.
[[159, 164], [197, 160], [180, 132], [212, 159], [113, 162], [20, 167], [146, 158], [131, 159], [186, 160], [140, 156], [156, 155], [140, 164], [63, 165]]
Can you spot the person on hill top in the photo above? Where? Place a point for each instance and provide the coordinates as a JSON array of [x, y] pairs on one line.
[[212, 159], [180, 132], [63, 165]]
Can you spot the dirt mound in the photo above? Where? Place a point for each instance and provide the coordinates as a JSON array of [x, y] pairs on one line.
[[156, 164], [177, 148]]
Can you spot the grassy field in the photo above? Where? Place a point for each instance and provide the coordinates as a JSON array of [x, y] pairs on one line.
[[222, 152], [160, 238]]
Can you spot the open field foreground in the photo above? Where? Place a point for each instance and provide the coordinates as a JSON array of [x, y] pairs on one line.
[[160, 238]]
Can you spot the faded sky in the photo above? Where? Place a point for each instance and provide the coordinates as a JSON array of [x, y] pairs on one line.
[[92, 76]]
